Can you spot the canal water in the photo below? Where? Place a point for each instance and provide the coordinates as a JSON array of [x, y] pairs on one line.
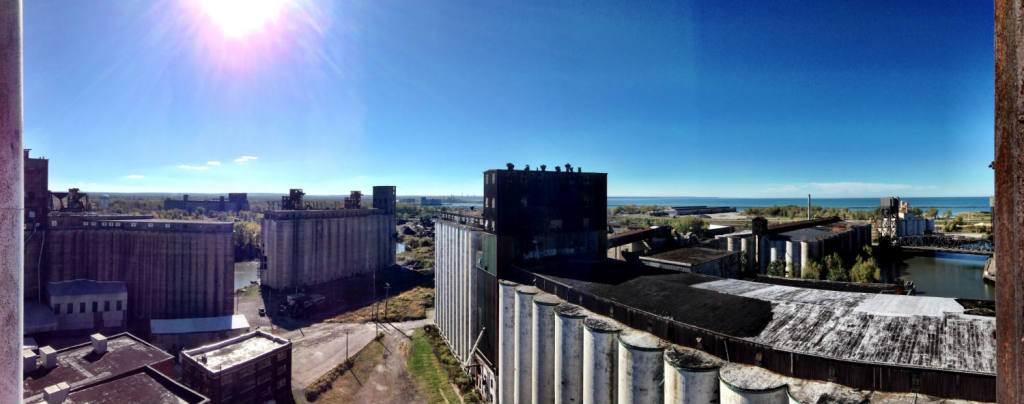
[[246, 272], [946, 274]]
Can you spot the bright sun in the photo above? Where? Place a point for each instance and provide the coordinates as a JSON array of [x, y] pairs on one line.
[[239, 18]]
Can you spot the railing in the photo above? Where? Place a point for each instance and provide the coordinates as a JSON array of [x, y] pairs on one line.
[[947, 243]]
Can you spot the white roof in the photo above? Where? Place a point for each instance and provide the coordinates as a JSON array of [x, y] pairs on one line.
[[198, 324]]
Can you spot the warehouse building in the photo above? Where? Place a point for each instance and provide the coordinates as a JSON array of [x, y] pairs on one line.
[[100, 370], [569, 326], [250, 368], [88, 305], [235, 202], [304, 246], [174, 334], [707, 261]]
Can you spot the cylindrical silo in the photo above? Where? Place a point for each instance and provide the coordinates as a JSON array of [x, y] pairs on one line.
[[805, 257], [691, 376], [640, 368], [730, 244], [741, 384], [523, 344], [599, 360], [569, 353], [542, 384], [747, 246], [506, 341]]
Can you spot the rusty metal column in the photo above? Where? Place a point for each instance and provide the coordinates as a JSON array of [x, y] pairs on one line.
[[12, 202], [1009, 200]]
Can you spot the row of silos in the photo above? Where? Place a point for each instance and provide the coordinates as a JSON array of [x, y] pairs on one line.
[[551, 351], [797, 253], [453, 287], [743, 243]]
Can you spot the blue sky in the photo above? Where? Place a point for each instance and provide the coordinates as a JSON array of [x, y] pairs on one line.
[[709, 98]]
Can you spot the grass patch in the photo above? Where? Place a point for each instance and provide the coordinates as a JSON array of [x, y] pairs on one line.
[[452, 367], [363, 362], [409, 305], [426, 371], [417, 258], [249, 290]]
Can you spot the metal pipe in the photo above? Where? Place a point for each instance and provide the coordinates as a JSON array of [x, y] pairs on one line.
[[12, 202]]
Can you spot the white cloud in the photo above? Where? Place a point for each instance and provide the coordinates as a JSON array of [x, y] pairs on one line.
[[134, 176], [213, 163], [188, 167], [243, 159]]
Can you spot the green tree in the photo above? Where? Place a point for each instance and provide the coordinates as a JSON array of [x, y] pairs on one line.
[[777, 268], [865, 270], [812, 270], [948, 213], [690, 224], [931, 212], [834, 270], [916, 211]]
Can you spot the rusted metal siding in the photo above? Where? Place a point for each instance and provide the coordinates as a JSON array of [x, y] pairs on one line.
[[1009, 199]]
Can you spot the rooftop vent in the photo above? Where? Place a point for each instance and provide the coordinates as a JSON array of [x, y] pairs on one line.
[[510, 166], [29, 360], [568, 167], [543, 167], [99, 343], [527, 168], [49, 357], [56, 393], [579, 169], [558, 169]]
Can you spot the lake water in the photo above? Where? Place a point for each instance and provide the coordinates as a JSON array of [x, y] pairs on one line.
[[954, 204], [246, 272], [947, 274], [399, 248]]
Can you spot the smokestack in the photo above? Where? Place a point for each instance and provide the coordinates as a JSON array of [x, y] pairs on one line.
[[808, 206]]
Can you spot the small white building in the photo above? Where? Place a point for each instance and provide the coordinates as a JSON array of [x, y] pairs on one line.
[[88, 304]]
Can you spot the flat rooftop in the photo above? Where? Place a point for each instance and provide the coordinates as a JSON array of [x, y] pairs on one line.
[[143, 385], [690, 255], [78, 365], [906, 331], [225, 354]]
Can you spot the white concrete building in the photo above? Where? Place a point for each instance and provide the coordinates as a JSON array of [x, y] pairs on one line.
[[88, 304]]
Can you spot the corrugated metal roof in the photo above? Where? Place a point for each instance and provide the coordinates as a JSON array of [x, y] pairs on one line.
[[198, 324]]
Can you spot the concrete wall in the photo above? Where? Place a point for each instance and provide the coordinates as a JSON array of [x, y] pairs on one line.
[[170, 272], [313, 247]]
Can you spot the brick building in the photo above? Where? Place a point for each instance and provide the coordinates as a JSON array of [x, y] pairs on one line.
[[250, 368]]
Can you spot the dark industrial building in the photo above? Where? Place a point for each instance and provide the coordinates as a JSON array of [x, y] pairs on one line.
[[528, 216], [116, 369], [305, 246], [235, 202], [251, 368]]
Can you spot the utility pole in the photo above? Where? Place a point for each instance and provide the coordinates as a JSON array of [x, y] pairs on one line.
[[808, 206], [387, 286]]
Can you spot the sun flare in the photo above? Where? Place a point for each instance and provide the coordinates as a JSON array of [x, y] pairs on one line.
[[239, 18]]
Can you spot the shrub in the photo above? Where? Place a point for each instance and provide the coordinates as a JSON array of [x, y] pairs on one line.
[[834, 270], [777, 268], [812, 270], [865, 271]]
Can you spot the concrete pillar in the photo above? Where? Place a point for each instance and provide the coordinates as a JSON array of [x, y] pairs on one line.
[[600, 360], [569, 354], [542, 385], [690, 376], [1008, 216], [524, 344], [805, 257], [12, 202], [730, 243], [774, 255], [763, 253], [746, 246], [506, 341], [641, 368]]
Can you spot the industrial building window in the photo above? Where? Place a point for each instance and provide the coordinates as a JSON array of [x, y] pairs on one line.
[[119, 308], [56, 309], [81, 307], [106, 305], [71, 308], [915, 381], [95, 305]]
